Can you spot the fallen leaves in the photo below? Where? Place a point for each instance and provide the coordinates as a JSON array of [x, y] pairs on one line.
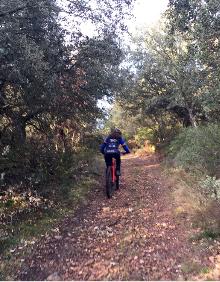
[[106, 209], [54, 277], [58, 237], [131, 237]]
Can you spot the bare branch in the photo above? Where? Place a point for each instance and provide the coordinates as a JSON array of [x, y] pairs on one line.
[[13, 11]]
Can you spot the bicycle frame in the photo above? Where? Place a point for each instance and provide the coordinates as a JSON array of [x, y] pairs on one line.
[[112, 180], [113, 167]]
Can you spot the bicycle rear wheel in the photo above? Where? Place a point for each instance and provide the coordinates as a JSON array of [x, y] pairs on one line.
[[109, 186]]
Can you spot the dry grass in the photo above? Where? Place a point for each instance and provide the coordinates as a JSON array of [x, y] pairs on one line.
[[203, 216], [189, 201], [146, 150], [185, 192]]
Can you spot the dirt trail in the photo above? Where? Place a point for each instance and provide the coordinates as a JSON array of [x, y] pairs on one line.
[[133, 236]]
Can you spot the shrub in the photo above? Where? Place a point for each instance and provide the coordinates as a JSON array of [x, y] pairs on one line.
[[32, 163], [92, 141], [208, 218], [197, 148], [37, 166], [142, 135], [211, 186]]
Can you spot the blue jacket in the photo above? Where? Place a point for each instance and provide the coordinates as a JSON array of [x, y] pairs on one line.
[[112, 146]]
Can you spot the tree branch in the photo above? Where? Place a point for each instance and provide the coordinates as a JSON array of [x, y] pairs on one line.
[[13, 11]]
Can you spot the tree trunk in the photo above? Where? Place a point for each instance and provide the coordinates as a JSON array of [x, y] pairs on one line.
[[192, 118]]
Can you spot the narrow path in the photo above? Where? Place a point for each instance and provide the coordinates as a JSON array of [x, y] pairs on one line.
[[133, 236]]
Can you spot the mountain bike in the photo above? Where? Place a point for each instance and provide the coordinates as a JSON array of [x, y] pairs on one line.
[[112, 180]]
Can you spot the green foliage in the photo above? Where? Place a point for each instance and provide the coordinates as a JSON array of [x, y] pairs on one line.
[[176, 79], [169, 79], [34, 163], [49, 87], [122, 119], [142, 135], [192, 18], [197, 148], [137, 128], [207, 234], [9, 203], [51, 79], [25, 213], [198, 23], [44, 78], [211, 186], [92, 141], [40, 167]]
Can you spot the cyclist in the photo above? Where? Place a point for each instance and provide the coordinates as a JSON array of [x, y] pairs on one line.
[[110, 149]]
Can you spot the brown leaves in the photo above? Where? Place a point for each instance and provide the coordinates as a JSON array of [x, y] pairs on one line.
[[132, 236], [106, 209], [54, 277]]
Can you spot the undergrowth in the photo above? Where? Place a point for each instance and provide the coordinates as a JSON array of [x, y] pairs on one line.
[[197, 149], [192, 202], [39, 218], [194, 161]]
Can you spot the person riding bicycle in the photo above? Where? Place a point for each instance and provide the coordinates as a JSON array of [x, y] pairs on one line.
[[110, 149]]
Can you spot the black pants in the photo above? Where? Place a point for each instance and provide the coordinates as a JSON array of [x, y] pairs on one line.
[[108, 160]]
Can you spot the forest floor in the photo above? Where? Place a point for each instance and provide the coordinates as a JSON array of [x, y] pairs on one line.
[[133, 236]]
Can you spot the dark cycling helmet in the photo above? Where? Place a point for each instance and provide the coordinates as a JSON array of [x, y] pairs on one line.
[[116, 130]]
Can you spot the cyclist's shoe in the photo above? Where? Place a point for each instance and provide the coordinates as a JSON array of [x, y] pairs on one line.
[[118, 173]]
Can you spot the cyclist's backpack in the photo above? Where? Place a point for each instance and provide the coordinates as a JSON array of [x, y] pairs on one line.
[[111, 146]]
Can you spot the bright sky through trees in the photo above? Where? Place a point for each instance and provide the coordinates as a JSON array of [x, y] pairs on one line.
[[147, 12]]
